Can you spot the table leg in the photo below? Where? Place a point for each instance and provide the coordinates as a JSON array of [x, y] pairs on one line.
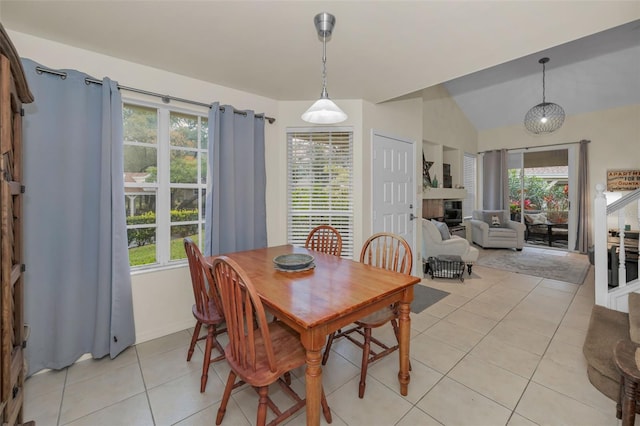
[[405, 335], [313, 377]]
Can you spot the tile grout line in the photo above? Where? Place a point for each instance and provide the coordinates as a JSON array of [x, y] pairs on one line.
[[542, 357], [146, 391], [471, 349], [64, 389]]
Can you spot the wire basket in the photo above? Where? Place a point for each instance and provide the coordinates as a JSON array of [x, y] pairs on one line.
[[446, 266]]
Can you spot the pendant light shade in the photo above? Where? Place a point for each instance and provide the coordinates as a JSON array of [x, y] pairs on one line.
[[324, 110], [545, 117]]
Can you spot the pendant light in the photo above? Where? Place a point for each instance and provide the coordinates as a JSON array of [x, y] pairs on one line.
[[546, 117], [324, 110]]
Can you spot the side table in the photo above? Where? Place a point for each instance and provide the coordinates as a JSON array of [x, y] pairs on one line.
[[624, 356]]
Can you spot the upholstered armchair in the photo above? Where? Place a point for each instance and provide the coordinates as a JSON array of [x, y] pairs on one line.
[[436, 243], [495, 229]]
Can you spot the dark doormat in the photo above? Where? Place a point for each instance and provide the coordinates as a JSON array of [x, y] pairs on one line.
[[424, 296]]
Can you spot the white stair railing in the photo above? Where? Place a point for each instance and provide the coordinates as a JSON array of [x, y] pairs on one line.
[[616, 298], [600, 246]]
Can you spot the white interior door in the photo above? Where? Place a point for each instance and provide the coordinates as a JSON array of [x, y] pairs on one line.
[[393, 186]]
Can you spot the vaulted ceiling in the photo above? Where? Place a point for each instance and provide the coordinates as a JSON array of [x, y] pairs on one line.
[[486, 51]]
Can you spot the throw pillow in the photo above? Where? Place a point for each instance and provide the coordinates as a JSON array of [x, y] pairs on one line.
[[494, 218], [535, 219], [443, 228], [634, 317]]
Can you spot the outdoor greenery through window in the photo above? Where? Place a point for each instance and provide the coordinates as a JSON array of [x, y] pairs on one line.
[[320, 184], [165, 165], [539, 190]]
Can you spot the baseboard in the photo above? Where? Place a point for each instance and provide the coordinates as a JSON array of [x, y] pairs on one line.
[[164, 331]]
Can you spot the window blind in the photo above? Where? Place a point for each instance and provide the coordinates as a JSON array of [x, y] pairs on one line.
[[320, 184], [469, 203]]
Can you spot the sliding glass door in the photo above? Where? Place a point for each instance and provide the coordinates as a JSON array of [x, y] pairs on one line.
[[541, 190]]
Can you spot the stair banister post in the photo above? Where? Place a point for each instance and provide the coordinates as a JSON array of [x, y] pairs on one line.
[[622, 256], [600, 246]]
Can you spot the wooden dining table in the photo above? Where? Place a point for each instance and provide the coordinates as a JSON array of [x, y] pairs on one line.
[[318, 301]]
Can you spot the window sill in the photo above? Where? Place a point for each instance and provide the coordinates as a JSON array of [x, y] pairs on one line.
[[155, 268]]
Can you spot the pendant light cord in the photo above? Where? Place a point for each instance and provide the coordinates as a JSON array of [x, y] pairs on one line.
[[543, 87], [324, 93]]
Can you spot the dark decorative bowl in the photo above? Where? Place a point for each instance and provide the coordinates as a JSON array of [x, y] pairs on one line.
[[293, 261]]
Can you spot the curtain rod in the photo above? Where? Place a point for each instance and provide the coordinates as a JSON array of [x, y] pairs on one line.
[[539, 146], [165, 98]]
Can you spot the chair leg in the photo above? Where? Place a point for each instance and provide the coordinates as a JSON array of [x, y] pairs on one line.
[[365, 361], [327, 348], [194, 339], [619, 402], [396, 330], [263, 393], [325, 408], [207, 359], [287, 378], [217, 345], [225, 397]]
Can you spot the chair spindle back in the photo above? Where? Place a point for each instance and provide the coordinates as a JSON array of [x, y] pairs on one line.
[[388, 251], [243, 310], [326, 239], [202, 282]]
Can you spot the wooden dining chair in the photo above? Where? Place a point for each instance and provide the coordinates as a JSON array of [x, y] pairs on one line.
[[207, 308], [388, 251], [260, 354], [326, 239]]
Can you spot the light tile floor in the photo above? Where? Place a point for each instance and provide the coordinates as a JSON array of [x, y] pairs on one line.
[[501, 349]]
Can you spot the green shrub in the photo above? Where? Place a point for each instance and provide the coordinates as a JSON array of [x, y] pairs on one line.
[[143, 236]]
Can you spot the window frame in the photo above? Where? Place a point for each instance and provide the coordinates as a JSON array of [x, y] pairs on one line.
[[163, 185], [346, 229]]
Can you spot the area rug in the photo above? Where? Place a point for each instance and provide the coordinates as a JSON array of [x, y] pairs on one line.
[[571, 269], [424, 296]]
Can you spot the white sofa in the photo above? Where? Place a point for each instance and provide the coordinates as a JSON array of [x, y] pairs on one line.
[[508, 234], [434, 245]]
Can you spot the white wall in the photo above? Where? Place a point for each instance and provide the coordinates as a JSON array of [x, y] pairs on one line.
[[614, 136], [447, 134], [444, 122]]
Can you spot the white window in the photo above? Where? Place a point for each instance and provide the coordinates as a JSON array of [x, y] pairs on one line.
[[165, 167], [320, 184], [469, 203]]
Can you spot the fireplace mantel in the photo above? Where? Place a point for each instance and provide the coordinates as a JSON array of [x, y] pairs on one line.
[[444, 194]]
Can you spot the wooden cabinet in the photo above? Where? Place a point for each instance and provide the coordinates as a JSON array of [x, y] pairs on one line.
[[13, 92]]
